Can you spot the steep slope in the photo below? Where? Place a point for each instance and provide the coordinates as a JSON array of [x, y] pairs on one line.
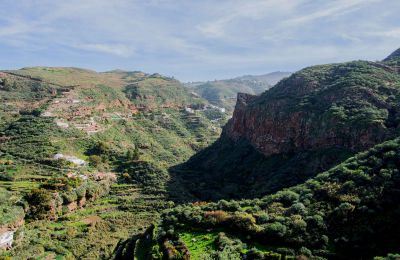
[[105, 103], [393, 58], [304, 125], [83, 156], [348, 212], [223, 93]]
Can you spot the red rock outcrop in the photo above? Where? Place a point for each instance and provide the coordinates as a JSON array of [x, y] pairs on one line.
[[277, 122], [303, 126]]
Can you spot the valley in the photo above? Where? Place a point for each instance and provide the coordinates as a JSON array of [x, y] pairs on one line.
[[129, 165], [222, 93], [309, 170]]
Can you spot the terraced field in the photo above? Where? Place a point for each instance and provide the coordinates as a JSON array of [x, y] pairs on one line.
[[97, 230]]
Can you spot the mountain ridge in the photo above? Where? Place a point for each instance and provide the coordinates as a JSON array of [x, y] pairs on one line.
[[297, 128], [223, 92]]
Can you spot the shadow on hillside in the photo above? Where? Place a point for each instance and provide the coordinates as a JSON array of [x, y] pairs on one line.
[[235, 170]]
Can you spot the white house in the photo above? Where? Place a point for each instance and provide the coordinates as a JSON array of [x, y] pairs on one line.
[[6, 239], [189, 110], [75, 160]]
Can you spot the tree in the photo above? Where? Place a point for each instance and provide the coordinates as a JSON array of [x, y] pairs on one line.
[[276, 229], [40, 203]]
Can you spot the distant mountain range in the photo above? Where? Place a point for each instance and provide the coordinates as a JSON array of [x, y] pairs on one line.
[[223, 92]]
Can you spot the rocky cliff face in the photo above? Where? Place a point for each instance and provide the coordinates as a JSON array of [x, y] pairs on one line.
[[301, 114], [305, 124]]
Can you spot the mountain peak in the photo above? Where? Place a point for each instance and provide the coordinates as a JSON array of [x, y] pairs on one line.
[[393, 56]]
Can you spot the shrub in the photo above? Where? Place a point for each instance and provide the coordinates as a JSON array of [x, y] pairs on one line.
[[275, 229], [297, 208], [216, 217], [243, 221], [81, 191], [286, 197], [40, 203], [305, 252], [262, 218]]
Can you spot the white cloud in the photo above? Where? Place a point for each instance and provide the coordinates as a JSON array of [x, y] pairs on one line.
[[331, 9], [392, 33], [116, 49], [187, 36], [251, 9]]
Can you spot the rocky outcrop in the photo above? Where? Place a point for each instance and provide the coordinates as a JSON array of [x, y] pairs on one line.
[[301, 114], [272, 131], [304, 125]]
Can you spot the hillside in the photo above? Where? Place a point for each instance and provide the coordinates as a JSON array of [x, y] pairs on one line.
[[347, 212], [83, 156], [103, 104], [129, 165], [223, 93], [307, 123], [393, 58]]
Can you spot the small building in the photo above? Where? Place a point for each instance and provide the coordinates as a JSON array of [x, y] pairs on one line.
[[75, 160], [6, 239], [189, 110]]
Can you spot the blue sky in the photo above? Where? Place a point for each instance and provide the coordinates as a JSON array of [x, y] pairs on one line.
[[195, 39]]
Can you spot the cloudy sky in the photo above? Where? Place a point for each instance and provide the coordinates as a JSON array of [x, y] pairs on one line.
[[195, 39]]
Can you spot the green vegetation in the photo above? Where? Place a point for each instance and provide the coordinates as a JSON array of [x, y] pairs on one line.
[[10, 212], [98, 165], [310, 122], [30, 138], [94, 231], [76, 211], [348, 211], [199, 244], [156, 90]]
